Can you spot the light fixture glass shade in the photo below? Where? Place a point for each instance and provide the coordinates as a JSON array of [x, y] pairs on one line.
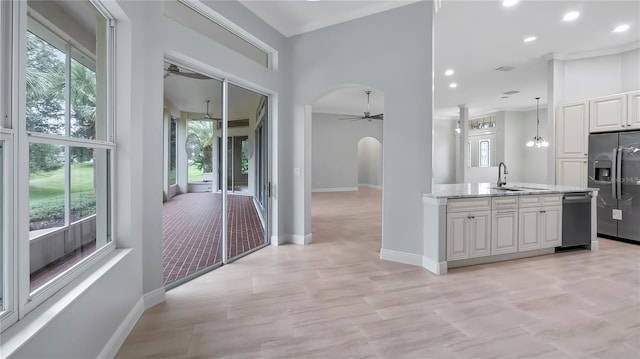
[[537, 141]]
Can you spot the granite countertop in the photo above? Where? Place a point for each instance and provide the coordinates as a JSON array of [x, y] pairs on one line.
[[459, 190]]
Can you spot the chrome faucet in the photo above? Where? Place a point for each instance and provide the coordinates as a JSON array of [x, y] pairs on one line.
[[502, 182]]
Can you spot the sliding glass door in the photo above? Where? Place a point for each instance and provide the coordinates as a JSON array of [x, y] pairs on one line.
[[220, 167]]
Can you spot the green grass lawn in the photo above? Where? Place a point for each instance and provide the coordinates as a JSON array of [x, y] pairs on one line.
[[195, 175], [47, 185], [46, 192]]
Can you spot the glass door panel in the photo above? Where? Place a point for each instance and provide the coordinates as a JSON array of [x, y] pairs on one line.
[[192, 220], [246, 218]]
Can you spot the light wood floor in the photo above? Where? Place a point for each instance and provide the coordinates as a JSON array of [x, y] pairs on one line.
[[336, 299]]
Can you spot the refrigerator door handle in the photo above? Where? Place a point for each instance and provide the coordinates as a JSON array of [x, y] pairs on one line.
[[614, 173], [619, 173]]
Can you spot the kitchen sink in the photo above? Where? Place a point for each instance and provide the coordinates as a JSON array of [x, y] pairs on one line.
[[509, 189]]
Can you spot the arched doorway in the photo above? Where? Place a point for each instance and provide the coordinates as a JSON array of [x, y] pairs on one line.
[[345, 146]]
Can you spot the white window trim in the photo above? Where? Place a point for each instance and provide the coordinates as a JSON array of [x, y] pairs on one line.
[[206, 11], [21, 301]]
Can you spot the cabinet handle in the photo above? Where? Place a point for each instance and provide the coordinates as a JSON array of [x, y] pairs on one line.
[[623, 125], [471, 217], [543, 211]]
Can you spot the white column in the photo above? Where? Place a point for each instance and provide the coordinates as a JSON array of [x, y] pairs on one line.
[[463, 145]]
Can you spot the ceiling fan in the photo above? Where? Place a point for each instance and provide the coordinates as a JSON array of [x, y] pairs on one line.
[[367, 113], [208, 117], [175, 70]]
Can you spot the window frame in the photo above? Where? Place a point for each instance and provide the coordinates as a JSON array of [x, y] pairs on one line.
[[20, 300]]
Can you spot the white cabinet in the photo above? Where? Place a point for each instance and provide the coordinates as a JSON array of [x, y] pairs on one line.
[[633, 110], [572, 130], [550, 227], [540, 222], [504, 225], [468, 228], [608, 113], [504, 231], [572, 172]]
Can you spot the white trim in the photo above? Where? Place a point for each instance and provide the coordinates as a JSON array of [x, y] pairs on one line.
[[206, 11], [301, 240], [117, 339], [374, 186], [154, 298], [434, 267], [401, 257], [336, 189], [277, 240], [594, 53], [595, 245], [17, 335]]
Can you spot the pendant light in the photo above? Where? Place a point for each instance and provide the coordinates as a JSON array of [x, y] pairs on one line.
[[537, 141]]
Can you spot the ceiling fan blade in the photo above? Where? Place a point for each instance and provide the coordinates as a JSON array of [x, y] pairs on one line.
[[377, 117], [193, 75], [351, 118]]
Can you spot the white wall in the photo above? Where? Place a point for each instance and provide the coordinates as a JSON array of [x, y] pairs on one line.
[[444, 151], [331, 58], [600, 76], [334, 152], [370, 162], [525, 164], [144, 37]]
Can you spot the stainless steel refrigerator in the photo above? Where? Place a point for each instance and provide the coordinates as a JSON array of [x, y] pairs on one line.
[[614, 168]]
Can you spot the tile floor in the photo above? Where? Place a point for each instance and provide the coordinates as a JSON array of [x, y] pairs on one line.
[[43, 275], [191, 228], [336, 299]]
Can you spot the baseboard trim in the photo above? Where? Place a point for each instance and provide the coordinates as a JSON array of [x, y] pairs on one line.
[[595, 245], [117, 339], [439, 268], [302, 240], [277, 240], [401, 257], [336, 189], [374, 186], [153, 298]]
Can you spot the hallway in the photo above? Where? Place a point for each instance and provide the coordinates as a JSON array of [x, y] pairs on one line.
[[336, 298]]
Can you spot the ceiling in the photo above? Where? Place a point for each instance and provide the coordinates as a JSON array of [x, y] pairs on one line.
[[474, 38], [190, 95]]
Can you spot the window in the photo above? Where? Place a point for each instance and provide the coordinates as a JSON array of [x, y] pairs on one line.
[[64, 148], [199, 145], [484, 153], [173, 125]]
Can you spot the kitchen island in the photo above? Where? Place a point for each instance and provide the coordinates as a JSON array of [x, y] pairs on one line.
[[476, 223]]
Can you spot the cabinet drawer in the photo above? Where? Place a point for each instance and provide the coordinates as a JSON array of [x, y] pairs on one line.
[[504, 202], [529, 201], [551, 199], [469, 204]]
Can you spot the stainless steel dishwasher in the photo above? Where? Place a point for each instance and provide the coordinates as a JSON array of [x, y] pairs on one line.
[[576, 219]]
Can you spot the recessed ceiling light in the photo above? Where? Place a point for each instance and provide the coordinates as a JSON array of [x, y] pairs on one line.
[[448, 72], [453, 85], [508, 3], [571, 15], [621, 28], [530, 38]]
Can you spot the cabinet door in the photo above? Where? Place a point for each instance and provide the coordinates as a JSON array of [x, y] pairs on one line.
[[572, 172], [551, 227], [572, 130], [480, 234], [457, 237], [608, 113], [633, 112], [504, 231], [528, 228]]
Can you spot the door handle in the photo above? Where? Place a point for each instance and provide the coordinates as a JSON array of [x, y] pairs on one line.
[[614, 173], [619, 174]]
